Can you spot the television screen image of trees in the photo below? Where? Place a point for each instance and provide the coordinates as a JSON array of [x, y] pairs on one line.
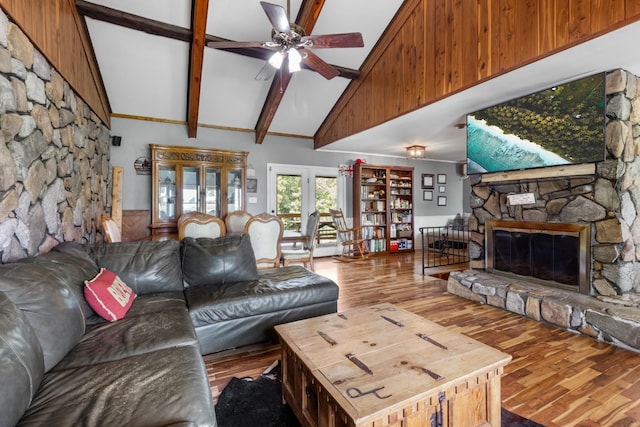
[[560, 125]]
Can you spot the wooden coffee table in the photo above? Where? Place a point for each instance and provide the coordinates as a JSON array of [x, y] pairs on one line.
[[383, 366]]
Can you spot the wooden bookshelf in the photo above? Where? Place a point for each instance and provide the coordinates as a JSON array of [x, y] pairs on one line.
[[383, 207]]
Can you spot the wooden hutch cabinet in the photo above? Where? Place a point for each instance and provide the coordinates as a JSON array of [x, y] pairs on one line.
[[383, 207], [188, 179]]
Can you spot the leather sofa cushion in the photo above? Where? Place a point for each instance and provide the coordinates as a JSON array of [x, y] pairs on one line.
[[53, 310], [144, 390], [227, 259], [70, 262], [156, 302], [21, 362], [236, 333], [153, 323], [153, 302], [275, 290], [146, 266]]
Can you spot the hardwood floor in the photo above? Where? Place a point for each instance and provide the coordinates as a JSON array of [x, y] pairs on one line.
[[555, 378]]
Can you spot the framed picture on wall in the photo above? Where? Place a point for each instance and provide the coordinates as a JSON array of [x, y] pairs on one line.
[[442, 200], [427, 180], [442, 189], [427, 195], [442, 178], [252, 185]]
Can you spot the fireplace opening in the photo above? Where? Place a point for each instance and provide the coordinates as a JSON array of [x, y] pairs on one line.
[[552, 254]]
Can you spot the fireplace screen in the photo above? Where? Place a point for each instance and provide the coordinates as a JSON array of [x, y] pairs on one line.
[[543, 256], [554, 257]]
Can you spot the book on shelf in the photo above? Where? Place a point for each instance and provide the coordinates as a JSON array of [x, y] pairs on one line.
[[373, 219], [373, 206], [401, 245], [373, 233], [376, 245], [400, 217], [370, 193]]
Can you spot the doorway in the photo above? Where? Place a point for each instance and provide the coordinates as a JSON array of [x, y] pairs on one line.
[[294, 192]]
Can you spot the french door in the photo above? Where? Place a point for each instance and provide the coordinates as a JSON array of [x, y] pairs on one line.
[[294, 192]]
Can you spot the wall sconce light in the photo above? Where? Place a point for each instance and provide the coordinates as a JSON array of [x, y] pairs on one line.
[[416, 152]]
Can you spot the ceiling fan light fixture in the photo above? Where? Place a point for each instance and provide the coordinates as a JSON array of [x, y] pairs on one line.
[[416, 152], [294, 60], [276, 59]]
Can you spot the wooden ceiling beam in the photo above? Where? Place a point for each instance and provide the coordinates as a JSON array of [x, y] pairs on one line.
[[309, 13], [158, 28], [175, 32], [307, 18], [134, 22], [199, 14]]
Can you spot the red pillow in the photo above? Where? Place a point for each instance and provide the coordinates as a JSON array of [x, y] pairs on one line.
[[108, 295]]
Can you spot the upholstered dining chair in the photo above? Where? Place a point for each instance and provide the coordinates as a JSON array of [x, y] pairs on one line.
[[265, 232], [182, 218], [235, 221], [304, 254], [197, 224], [110, 229], [350, 238]]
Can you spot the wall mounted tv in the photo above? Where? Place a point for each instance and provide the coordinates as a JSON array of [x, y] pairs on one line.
[[557, 126]]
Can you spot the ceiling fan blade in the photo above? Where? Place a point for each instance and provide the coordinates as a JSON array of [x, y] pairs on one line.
[[265, 73], [314, 62], [277, 16], [335, 40], [233, 44]]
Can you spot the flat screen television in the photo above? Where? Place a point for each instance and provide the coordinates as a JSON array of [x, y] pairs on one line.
[[557, 126]]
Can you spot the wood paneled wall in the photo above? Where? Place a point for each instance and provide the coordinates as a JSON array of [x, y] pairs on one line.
[[59, 33], [435, 48]]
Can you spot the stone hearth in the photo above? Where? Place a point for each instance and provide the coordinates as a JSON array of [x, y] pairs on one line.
[[612, 320]]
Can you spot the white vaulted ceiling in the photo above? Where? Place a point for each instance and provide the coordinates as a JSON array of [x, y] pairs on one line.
[[147, 75]]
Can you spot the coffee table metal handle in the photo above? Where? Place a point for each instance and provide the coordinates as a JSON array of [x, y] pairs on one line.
[[354, 392]]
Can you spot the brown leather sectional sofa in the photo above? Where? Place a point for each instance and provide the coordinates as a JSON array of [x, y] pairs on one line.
[[62, 365]]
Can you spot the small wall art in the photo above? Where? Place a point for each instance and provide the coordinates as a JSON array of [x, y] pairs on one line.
[[252, 185], [442, 178], [427, 195], [427, 180], [442, 189], [442, 200], [142, 165]]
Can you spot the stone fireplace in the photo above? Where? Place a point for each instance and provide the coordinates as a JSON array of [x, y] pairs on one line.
[[601, 202]]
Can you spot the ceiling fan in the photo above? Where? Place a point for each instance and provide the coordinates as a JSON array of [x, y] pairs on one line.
[[292, 45]]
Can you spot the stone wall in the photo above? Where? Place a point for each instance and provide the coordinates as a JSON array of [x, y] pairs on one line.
[[55, 177], [608, 200]]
